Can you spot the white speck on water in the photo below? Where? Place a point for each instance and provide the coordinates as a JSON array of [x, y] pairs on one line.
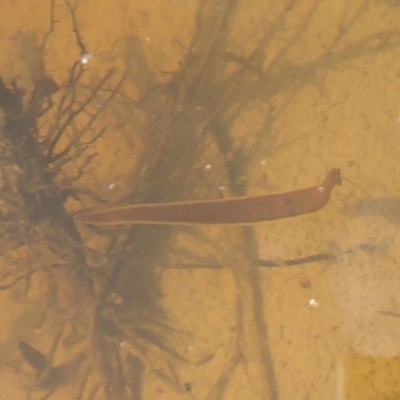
[[111, 186], [85, 58], [208, 167], [263, 163], [313, 303]]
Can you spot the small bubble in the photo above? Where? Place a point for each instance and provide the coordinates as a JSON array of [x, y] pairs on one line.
[[263, 163], [208, 167], [85, 58], [313, 303], [111, 186]]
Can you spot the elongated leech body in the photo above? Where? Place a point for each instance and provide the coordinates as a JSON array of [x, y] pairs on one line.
[[240, 210]]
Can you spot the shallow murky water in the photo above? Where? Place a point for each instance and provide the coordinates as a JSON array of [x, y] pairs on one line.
[[112, 103]]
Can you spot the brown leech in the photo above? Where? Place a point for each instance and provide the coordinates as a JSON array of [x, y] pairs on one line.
[[240, 211]]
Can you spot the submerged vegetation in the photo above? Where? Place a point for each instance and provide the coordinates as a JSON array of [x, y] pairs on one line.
[[93, 309]]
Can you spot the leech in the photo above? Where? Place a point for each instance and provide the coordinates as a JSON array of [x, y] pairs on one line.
[[298, 261], [240, 211]]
